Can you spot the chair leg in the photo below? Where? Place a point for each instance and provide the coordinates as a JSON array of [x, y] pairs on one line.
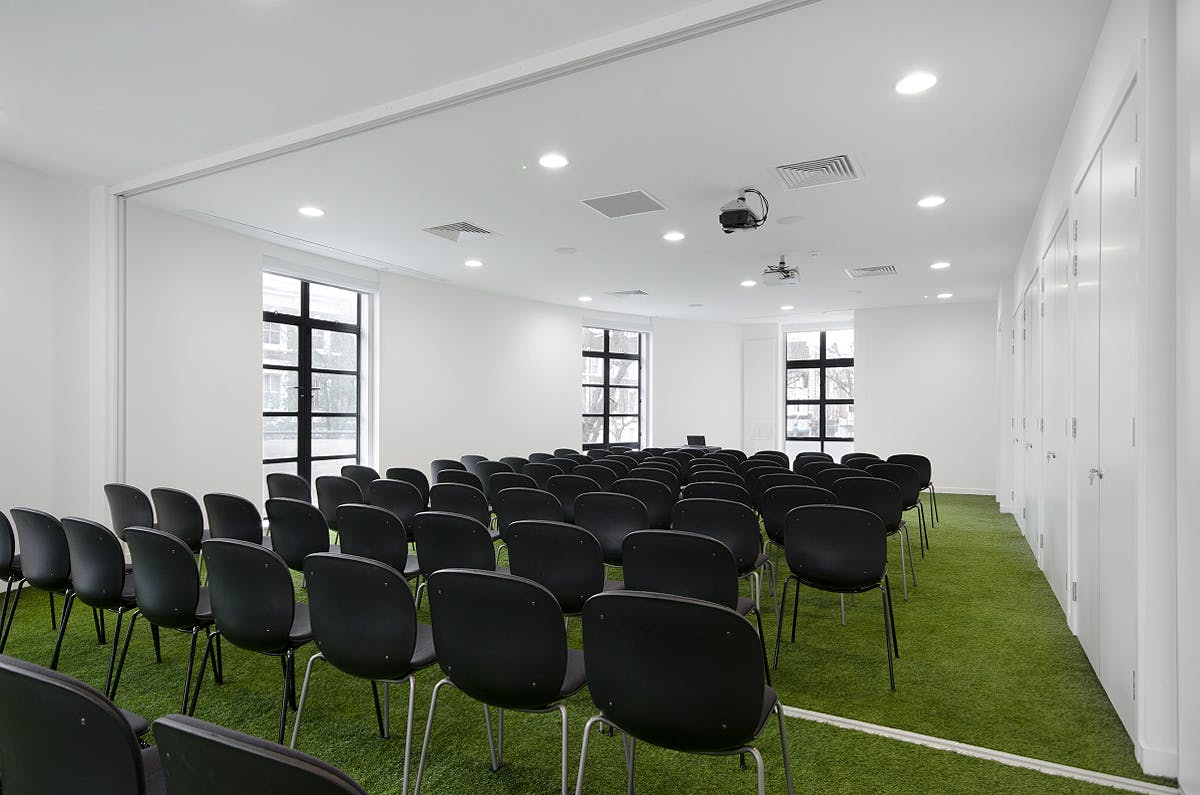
[[408, 730], [762, 638], [154, 634], [843, 599], [795, 609], [283, 705], [53, 625], [7, 627], [8, 588], [587, 732], [116, 682], [912, 567], [218, 662], [203, 664], [562, 711], [923, 536], [630, 746], [779, 626], [98, 620], [783, 743], [187, 679], [62, 629], [374, 695], [112, 657], [495, 749], [903, 571], [428, 732], [887, 585], [308, 669], [420, 591], [758, 766]]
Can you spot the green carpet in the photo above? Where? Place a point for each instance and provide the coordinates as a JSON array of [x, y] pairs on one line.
[[986, 659]]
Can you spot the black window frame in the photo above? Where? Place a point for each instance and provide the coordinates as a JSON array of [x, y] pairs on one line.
[[821, 364], [606, 356]]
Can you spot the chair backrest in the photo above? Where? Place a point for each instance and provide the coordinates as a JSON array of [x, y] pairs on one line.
[[8, 547], [363, 616], [45, 558], [179, 513], [42, 714], [561, 451], [485, 470], [459, 477], [618, 449], [717, 491], [471, 462], [499, 638], [129, 507], [752, 475], [452, 540], [201, 758], [778, 501], [920, 463], [652, 660], [372, 531], [826, 478], [168, 582], [334, 491], [710, 462], [564, 558], [682, 458], [515, 462], [637, 455], [400, 497], [597, 453], [540, 458], [602, 475], [861, 462], [835, 547], [667, 477], [880, 497], [231, 516], [731, 459], [253, 599], [658, 499], [287, 484], [775, 456], [805, 458], [563, 463], [815, 467], [567, 489], [772, 479], [610, 517], [654, 450], [629, 463], [738, 454], [731, 523], [512, 480], [361, 474], [440, 465], [715, 476], [97, 562], [848, 457], [461, 499], [519, 504], [414, 477], [680, 563], [541, 472], [904, 476], [297, 530], [674, 465], [588, 458]]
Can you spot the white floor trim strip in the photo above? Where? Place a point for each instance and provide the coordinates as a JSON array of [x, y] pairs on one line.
[[1003, 757]]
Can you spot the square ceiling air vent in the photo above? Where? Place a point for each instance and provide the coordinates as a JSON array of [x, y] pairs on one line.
[[458, 231], [620, 205], [878, 270], [811, 173]]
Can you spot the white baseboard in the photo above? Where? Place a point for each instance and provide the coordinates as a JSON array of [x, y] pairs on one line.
[[959, 490], [1158, 761]]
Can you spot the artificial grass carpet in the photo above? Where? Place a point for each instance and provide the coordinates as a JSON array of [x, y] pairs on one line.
[[986, 659]]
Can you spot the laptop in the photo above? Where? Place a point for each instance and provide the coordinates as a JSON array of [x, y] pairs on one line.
[[695, 441]]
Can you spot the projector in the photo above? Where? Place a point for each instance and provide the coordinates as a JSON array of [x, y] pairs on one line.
[[738, 214]]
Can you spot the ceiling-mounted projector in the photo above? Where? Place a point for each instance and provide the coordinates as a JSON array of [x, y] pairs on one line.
[[780, 274], [738, 214]]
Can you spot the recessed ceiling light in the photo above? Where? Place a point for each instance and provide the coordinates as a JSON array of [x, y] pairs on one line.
[[674, 237], [749, 283], [915, 83], [565, 250], [945, 295], [786, 308], [932, 201], [552, 160], [585, 298], [938, 266], [474, 263], [311, 212]]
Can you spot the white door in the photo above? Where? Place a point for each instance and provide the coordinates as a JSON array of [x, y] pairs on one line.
[[1018, 417], [1056, 434], [1032, 447]]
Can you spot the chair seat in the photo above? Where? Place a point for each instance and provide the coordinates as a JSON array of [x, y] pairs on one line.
[[769, 699], [576, 676], [335, 549], [301, 626], [136, 722], [411, 567], [204, 612], [423, 652], [744, 605], [614, 585], [129, 591], [156, 783], [14, 568]]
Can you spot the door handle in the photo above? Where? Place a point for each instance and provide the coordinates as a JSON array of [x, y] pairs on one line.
[[1093, 473], [1050, 454]]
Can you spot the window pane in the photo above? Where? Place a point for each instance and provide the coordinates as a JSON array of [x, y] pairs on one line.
[[839, 344], [593, 400], [623, 429], [622, 401], [279, 390], [802, 384], [803, 421], [593, 430], [623, 341], [336, 350], [334, 393], [281, 294], [593, 339], [331, 467], [593, 370], [334, 435], [281, 344], [279, 437], [803, 345], [839, 421], [332, 303], [623, 372], [839, 383]]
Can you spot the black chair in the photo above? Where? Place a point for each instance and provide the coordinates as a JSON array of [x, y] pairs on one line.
[[848, 457], [757, 463], [652, 660], [778, 502], [629, 463], [374, 532], [813, 468], [567, 465], [541, 472], [511, 480], [169, 596], [861, 462], [477, 618], [658, 499], [285, 484], [255, 608], [180, 515], [610, 517], [775, 456], [363, 475], [827, 477], [924, 469], [521, 504], [334, 491], [909, 481], [472, 462], [297, 530], [515, 462], [460, 477], [597, 453], [654, 450], [806, 458], [201, 758], [414, 477], [731, 459], [664, 476], [738, 454], [540, 458], [662, 460], [580, 458], [882, 498], [129, 507], [451, 541], [618, 449], [10, 570], [638, 455], [365, 624], [716, 476], [843, 550], [564, 558], [485, 469], [561, 451], [58, 735], [440, 465], [717, 491], [45, 565], [400, 497], [602, 475], [710, 462], [772, 479], [462, 499], [567, 489], [98, 580], [735, 526], [231, 516], [681, 458]]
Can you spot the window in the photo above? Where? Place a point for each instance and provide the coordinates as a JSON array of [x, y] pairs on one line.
[[312, 376], [613, 379], [819, 387]]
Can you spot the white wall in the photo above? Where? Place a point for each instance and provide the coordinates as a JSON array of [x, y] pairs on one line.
[[925, 383], [696, 382]]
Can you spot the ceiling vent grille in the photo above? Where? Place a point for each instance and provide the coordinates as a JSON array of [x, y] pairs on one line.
[[627, 293], [459, 231], [620, 205], [878, 270], [811, 173]]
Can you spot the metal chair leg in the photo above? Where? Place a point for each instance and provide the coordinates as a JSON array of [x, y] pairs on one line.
[[428, 732], [887, 639], [116, 682], [408, 731], [887, 584], [98, 620], [762, 638], [112, 657], [912, 566], [758, 766], [157, 647], [779, 626], [7, 627], [903, 571], [308, 669], [587, 733], [203, 665], [283, 706], [783, 742], [630, 745], [62, 629], [53, 625], [374, 695]]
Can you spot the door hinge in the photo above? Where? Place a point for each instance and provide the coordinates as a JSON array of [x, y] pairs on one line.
[[1074, 264], [1133, 433], [1135, 685], [1075, 590], [1022, 513], [1074, 228], [1042, 425], [1041, 540], [1074, 427], [1136, 125], [1135, 181]]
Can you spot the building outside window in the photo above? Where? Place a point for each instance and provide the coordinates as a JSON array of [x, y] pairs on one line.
[[614, 381], [819, 391]]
